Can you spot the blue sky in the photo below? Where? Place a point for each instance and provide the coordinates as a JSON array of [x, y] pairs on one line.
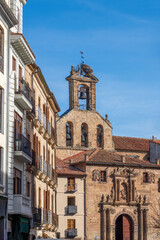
[[120, 41]]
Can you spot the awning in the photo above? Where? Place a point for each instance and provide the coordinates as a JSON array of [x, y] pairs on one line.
[[24, 225]]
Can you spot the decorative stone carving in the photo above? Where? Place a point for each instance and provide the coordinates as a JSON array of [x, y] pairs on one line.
[[125, 172], [151, 177], [96, 175]]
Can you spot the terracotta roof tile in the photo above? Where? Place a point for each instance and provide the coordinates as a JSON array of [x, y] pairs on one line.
[[131, 143], [65, 169], [109, 157]]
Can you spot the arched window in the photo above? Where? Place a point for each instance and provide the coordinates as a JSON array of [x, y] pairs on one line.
[[84, 135], [69, 134], [100, 136], [1, 49], [83, 97]]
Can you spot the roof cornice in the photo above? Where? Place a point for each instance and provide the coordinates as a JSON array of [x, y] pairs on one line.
[[7, 14]]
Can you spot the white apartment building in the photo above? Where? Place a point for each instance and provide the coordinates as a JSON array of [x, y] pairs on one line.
[[7, 21], [19, 145], [70, 201]]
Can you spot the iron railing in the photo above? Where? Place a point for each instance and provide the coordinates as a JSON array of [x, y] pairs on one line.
[[25, 90], [72, 232], [49, 217], [23, 144], [45, 217], [44, 120], [37, 216], [40, 163], [55, 219], [39, 114], [49, 128], [72, 209], [45, 167]]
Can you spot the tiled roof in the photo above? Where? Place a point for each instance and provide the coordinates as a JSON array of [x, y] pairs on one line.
[[108, 157], [63, 168], [131, 143], [79, 156]]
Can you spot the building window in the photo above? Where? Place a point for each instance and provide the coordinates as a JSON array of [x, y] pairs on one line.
[[28, 188], [145, 177], [1, 109], [71, 223], [17, 181], [71, 184], [43, 153], [69, 134], [84, 135], [71, 201], [1, 49], [103, 176], [100, 136], [1, 165]]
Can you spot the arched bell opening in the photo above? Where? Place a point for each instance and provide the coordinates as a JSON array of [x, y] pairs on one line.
[[100, 140], [69, 134], [84, 135], [83, 97], [124, 228]]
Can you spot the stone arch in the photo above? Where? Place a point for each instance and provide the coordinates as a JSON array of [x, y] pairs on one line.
[[69, 134], [100, 136], [132, 217], [84, 135], [83, 90]]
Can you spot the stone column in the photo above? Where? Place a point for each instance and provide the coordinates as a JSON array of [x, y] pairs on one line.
[[145, 224], [140, 223], [108, 225], [104, 224]]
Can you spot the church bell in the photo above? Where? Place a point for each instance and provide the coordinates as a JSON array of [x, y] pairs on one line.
[[82, 93]]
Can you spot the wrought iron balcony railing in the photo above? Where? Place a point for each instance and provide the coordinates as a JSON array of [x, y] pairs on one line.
[[37, 216], [44, 120], [72, 209], [45, 216], [24, 89], [23, 144], [72, 232]]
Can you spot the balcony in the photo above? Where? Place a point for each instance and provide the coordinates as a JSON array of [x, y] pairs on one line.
[[23, 96], [71, 210], [70, 188], [37, 121], [45, 217], [23, 149], [31, 114], [22, 205], [49, 217], [37, 216], [52, 137], [45, 167], [54, 220], [71, 232]]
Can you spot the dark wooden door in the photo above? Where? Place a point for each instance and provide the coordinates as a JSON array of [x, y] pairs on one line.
[[124, 228]]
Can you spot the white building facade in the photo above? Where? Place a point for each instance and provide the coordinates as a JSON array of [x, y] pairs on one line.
[[7, 21]]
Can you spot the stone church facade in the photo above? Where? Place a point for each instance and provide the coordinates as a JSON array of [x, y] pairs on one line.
[[122, 185]]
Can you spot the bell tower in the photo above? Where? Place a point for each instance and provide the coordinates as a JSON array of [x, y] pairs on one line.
[[82, 88]]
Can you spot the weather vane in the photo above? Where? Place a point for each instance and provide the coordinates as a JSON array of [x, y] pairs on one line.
[[82, 57]]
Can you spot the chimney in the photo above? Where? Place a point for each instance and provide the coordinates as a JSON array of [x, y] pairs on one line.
[[123, 159], [86, 156], [158, 161]]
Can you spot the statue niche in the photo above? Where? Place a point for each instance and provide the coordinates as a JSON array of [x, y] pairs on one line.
[[124, 192]]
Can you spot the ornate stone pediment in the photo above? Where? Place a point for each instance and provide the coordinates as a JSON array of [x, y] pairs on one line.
[[124, 172]]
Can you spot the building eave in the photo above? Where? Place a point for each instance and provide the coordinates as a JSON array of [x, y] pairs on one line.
[[7, 14], [22, 48]]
